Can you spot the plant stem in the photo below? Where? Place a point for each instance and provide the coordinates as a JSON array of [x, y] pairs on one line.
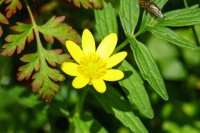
[[197, 41], [39, 44], [121, 46]]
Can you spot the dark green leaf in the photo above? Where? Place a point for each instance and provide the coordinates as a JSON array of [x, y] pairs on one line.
[[106, 21], [17, 41], [132, 84], [182, 17], [148, 67], [87, 124], [129, 14], [115, 104], [169, 35]]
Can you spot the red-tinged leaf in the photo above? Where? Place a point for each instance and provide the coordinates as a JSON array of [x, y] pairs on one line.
[[33, 63], [55, 56], [44, 81], [55, 28], [17, 41], [3, 19], [12, 7], [88, 3]]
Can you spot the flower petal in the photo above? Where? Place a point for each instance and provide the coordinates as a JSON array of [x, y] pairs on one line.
[[70, 68], [99, 85], [107, 46], [88, 43], [113, 75], [80, 82], [115, 59], [74, 50]]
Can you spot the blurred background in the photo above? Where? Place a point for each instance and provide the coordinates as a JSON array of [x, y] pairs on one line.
[[22, 111]]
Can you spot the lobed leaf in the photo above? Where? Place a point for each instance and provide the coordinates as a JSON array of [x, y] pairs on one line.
[[17, 41], [133, 86], [148, 67], [88, 3], [12, 7], [55, 28], [45, 77], [181, 17], [3, 20], [129, 15], [169, 35], [106, 21], [87, 124], [115, 104]]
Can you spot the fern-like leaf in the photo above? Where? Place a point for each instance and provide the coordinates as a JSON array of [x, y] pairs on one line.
[[3, 20], [12, 7], [88, 3], [55, 28], [17, 41]]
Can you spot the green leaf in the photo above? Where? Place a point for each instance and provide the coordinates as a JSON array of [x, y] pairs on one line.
[[115, 104], [169, 35], [134, 88], [3, 20], [45, 77], [106, 21], [148, 67], [88, 3], [17, 41], [181, 17], [55, 28], [86, 124], [148, 20], [12, 7], [129, 14]]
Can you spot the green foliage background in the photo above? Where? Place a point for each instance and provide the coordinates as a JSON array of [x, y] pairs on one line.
[[34, 32]]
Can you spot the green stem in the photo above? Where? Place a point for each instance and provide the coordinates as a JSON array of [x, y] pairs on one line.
[[122, 45], [197, 41], [79, 105], [39, 44]]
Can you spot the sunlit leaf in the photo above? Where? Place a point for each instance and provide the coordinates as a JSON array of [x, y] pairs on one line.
[[18, 41], [55, 28], [12, 7], [88, 3], [3, 20], [148, 68], [133, 86], [115, 104], [106, 21], [129, 14]]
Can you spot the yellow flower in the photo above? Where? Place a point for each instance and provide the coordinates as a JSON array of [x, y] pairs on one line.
[[93, 66]]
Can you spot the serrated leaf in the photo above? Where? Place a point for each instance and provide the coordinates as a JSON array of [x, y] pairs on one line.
[[115, 104], [148, 19], [181, 17], [45, 77], [87, 124], [12, 7], [55, 28], [169, 35], [3, 20], [17, 41], [88, 3], [148, 67], [129, 14], [106, 21], [133, 86]]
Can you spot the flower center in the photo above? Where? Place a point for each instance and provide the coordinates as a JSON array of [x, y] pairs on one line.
[[92, 66]]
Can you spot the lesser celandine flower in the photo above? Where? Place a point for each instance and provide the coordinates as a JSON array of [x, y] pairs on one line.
[[93, 66]]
